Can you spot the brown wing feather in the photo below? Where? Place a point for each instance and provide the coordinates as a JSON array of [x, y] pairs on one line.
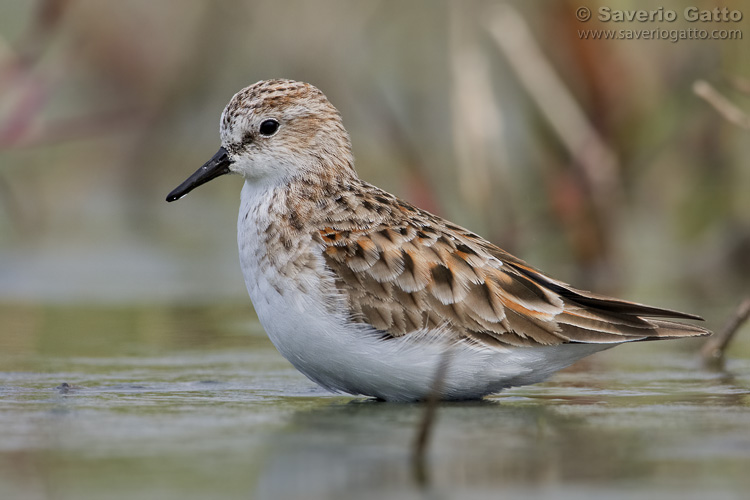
[[404, 270]]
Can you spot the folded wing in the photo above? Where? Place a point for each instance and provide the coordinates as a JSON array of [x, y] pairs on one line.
[[424, 272]]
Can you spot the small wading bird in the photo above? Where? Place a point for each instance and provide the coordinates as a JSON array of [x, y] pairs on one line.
[[364, 293]]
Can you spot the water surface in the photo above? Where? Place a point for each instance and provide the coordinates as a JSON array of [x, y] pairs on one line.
[[194, 402]]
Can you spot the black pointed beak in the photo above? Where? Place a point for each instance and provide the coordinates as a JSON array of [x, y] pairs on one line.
[[213, 168]]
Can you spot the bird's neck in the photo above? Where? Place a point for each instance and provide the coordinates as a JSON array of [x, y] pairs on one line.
[[300, 196]]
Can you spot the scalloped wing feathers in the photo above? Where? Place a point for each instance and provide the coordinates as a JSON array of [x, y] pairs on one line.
[[404, 270]]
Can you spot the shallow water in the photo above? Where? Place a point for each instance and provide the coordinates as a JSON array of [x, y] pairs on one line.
[[194, 402]]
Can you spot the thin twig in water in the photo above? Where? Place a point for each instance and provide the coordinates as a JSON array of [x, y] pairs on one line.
[[714, 349], [424, 433], [721, 104]]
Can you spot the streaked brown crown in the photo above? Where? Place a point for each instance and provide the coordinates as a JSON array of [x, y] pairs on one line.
[[268, 95]]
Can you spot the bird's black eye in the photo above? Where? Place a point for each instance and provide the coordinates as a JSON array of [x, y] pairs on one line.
[[268, 127]]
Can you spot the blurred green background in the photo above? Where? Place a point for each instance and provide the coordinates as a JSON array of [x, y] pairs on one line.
[[620, 166], [106, 106]]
